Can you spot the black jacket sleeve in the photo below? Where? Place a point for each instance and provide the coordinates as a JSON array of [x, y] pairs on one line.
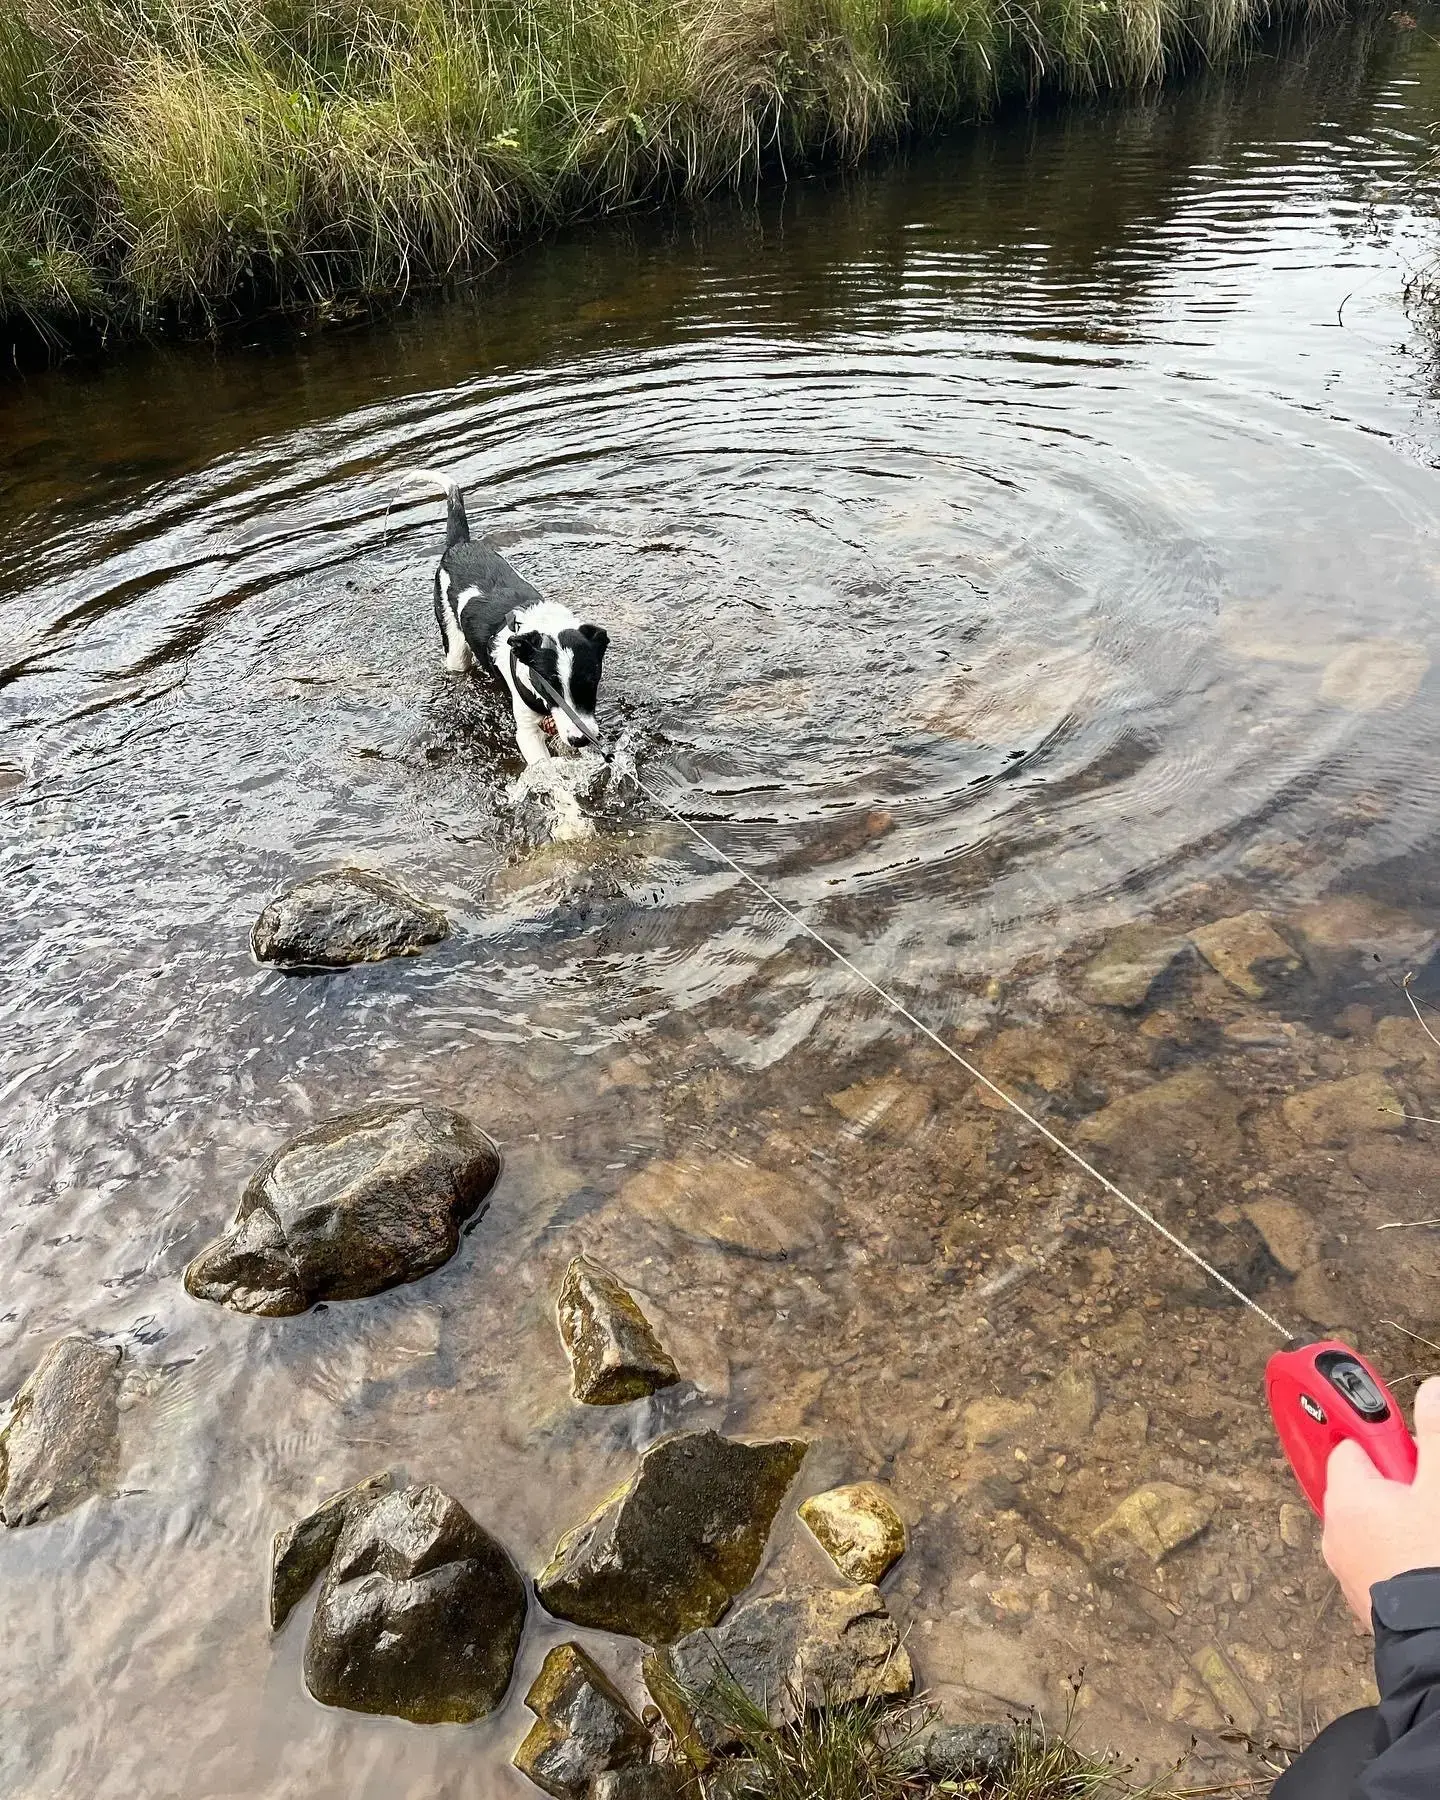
[[1406, 1614]]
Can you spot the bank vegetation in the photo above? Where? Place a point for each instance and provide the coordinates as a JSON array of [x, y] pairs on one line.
[[167, 161]]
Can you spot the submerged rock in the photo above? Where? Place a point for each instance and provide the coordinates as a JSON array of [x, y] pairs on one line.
[[994, 1420], [343, 917], [736, 1205], [302, 1551], [1247, 951], [1374, 675], [1130, 964], [1227, 1690], [584, 1726], [614, 1353], [858, 1529], [673, 1547], [1158, 1518], [1162, 1123], [355, 1205], [798, 1648], [62, 1443], [420, 1615], [1290, 1235], [1335, 1111], [891, 1105]]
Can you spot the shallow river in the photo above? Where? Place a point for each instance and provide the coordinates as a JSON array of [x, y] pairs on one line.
[[1030, 535]]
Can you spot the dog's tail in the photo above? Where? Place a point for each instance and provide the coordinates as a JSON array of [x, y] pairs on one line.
[[457, 524]]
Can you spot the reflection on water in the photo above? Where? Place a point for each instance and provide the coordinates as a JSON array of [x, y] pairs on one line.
[[1024, 537]]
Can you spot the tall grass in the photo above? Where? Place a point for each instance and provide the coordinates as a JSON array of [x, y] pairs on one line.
[[167, 159]]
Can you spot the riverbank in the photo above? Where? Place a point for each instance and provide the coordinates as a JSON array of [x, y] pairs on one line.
[[174, 163]]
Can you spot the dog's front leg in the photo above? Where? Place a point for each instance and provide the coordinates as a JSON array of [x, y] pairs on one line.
[[528, 735]]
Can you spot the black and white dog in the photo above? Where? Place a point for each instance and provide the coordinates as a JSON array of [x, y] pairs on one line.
[[488, 614]]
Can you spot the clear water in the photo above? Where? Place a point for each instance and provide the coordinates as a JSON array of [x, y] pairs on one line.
[[1026, 535]]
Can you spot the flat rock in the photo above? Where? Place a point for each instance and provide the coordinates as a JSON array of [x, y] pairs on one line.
[[734, 1205], [62, 1443], [584, 1726], [991, 1421], [302, 1551], [343, 917], [1158, 1518], [355, 1205], [1164, 1120], [890, 1104], [1336, 1111], [1247, 951], [1129, 965], [420, 1615], [858, 1529], [670, 1550], [1375, 675], [1227, 1690], [1071, 1404], [614, 1353], [802, 1647], [1291, 1236], [1383, 936]]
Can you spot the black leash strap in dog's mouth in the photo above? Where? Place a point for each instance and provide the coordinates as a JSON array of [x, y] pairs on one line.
[[898, 1006], [558, 699]]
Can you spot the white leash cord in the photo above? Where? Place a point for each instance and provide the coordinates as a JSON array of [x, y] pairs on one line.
[[898, 1006]]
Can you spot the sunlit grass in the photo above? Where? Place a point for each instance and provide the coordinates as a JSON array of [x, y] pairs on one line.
[[175, 158], [871, 1750]]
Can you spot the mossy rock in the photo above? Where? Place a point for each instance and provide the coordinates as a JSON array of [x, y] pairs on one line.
[[614, 1353], [669, 1552]]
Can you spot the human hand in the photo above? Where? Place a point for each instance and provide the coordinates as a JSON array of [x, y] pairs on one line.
[[1376, 1528]]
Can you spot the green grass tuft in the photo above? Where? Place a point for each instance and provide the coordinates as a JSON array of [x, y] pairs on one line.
[[872, 1750], [175, 159]]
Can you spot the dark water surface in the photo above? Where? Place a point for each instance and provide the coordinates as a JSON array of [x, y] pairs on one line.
[[1031, 535]]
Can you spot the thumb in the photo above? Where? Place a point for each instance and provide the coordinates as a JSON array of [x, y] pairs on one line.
[[1427, 1429], [1349, 1471]]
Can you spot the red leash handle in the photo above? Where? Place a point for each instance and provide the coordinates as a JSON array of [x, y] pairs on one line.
[[1320, 1394]]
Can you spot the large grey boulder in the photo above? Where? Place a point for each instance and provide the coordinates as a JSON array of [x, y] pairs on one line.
[[673, 1547], [802, 1647], [342, 917], [420, 1615], [355, 1205], [614, 1353], [62, 1442], [583, 1726], [302, 1551]]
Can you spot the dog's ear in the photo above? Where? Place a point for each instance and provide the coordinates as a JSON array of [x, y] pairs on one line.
[[526, 646], [596, 635]]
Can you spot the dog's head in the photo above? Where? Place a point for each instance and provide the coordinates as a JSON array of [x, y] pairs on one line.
[[570, 662]]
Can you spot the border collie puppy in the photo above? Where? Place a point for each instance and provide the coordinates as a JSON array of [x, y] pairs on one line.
[[488, 614]]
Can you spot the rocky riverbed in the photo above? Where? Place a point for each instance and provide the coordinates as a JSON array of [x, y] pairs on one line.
[[1038, 1428]]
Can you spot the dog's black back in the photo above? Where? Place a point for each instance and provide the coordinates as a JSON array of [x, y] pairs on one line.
[[484, 590]]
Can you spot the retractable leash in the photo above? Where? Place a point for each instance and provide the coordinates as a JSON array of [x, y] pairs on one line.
[[1319, 1393]]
